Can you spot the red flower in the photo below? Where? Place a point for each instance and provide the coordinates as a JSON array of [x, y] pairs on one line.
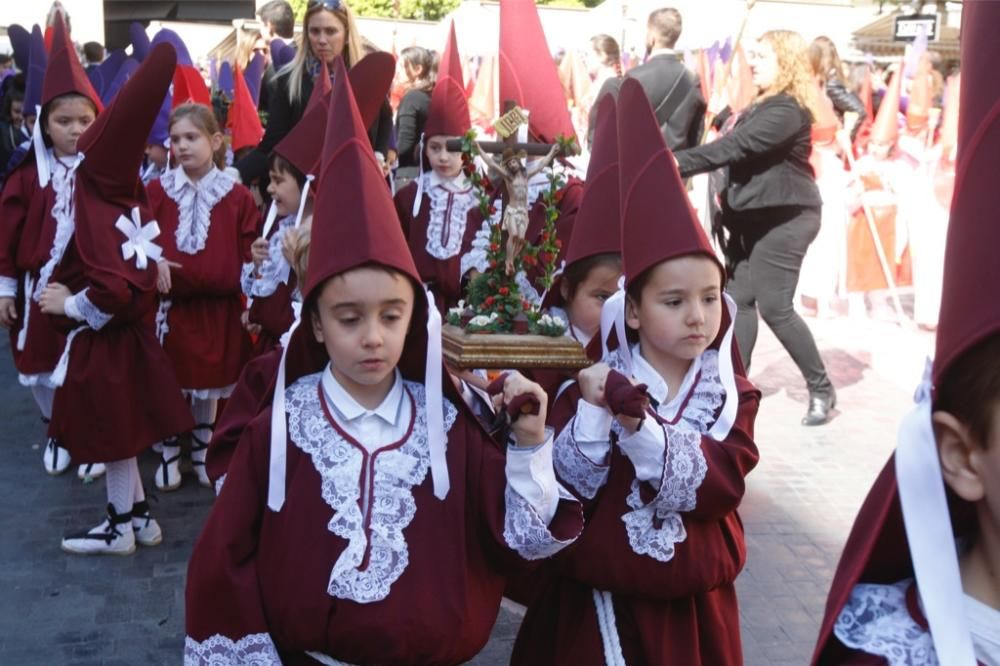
[[494, 247], [493, 263], [529, 260], [545, 237], [559, 195], [545, 257], [493, 209], [558, 243], [489, 300], [504, 291], [485, 182], [526, 305]]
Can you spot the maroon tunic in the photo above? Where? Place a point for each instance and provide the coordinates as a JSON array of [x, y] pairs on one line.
[[27, 230], [441, 275], [681, 611], [206, 341], [409, 579], [120, 395]]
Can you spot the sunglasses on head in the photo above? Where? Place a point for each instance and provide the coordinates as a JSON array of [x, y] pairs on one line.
[[325, 4]]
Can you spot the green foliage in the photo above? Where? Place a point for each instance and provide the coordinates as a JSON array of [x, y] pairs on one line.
[[424, 10], [299, 7], [570, 3]]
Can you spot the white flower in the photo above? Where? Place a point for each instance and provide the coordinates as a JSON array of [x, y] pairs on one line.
[[457, 311], [550, 320], [480, 320]]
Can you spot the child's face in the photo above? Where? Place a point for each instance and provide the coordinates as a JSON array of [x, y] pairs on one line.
[[16, 113], [157, 154], [285, 192], [584, 308], [445, 164], [66, 122], [681, 309], [192, 147], [363, 317]]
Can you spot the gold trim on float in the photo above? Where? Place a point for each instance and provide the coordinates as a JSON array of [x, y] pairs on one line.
[[500, 351]]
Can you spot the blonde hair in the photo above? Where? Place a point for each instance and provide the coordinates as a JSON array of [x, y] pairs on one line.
[[296, 69], [300, 248], [795, 74], [245, 39]]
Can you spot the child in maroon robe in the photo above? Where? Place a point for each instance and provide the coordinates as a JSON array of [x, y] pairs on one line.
[[659, 460], [36, 209], [439, 210], [209, 222], [917, 583], [366, 518], [117, 394]]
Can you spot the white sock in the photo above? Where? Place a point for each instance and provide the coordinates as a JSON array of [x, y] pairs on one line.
[[43, 398], [120, 484], [138, 492], [203, 411]]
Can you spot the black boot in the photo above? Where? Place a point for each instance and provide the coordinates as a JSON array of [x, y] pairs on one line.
[[820, 406]]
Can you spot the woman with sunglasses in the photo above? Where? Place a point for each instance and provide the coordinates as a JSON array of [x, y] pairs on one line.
[[328, 31]]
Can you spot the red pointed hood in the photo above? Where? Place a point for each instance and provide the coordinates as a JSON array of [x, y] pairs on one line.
[[657, 220], [370, 79], [528, 73], [108, 186], [64, 73], [597, 229], [449, 110], [243, 119], [189, 87], [885, 129], [355, 221]]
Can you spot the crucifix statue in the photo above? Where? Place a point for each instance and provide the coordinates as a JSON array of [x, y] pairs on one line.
[[515, 175]]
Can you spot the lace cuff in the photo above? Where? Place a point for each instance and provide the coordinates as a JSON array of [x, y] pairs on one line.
[[577, 468], [646, 448], [8, 287], [876, 620], [684, 470], [247, 278], [79, 307], [531, 475], [257, 649], [527, 534], [475, 258]]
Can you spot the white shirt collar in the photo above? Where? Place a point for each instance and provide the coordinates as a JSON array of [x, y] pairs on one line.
[[348, 408], [457, 184], [657, 386], [657, 52], [579, 335], [181, 178]]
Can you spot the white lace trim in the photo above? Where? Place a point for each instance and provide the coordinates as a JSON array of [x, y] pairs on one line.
[[475, 258], [251, 650], [274, 270], [654, 529], [41, 379], [64, 212], [162, 327], [876, 620], [8, 287], [451, 209], [575, 468], [81, 308], [392, 505], [525, 531], [194, 204]]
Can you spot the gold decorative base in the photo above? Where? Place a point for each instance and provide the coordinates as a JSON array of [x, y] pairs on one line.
[[491, 351]]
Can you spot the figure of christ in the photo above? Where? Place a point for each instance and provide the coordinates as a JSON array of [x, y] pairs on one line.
[[515, 212]]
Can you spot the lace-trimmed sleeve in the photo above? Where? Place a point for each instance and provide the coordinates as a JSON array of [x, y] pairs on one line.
[[580, 459], [475, 258], [528, 534], [81, 308], [875, 620], [256, 649]]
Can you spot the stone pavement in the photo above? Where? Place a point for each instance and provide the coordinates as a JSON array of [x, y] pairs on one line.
[[801, 500]]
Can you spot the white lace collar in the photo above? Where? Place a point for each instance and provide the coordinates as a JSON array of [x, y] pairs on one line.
[[448, 213], [877, 621], [372, 524], [63, 183], [984, 625], [195, 201], [349, 408]]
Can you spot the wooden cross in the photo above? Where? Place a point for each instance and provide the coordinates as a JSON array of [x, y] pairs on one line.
[[506, 126]]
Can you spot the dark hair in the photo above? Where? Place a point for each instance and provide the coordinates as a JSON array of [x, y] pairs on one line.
[[419, 57], [204, 119], [577, 272], [666, 25], [606, 47], [93, 52], [6, 58], [281, 17], [276, 162], [969, 388], [11, 96], [53, 103]]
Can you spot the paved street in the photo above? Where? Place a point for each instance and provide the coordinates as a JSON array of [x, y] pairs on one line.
[[58, 609]]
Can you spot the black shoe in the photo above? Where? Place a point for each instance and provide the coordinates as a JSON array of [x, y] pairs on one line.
[[820, 406]]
